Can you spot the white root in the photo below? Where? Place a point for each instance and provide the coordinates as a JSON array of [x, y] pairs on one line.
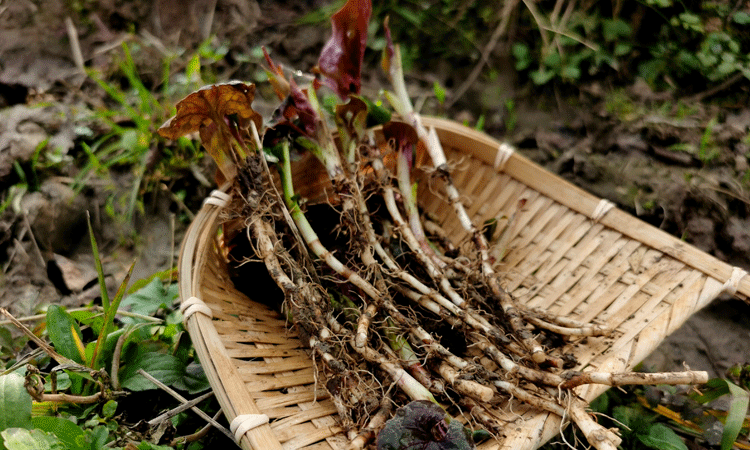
[[368, 433], [598, 436], [467, 387], [633, 378]]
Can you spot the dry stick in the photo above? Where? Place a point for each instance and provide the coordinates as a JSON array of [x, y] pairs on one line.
[[115, 380], [119, 312], [195, 436], [182, 399], [491, 44], [62, 360], [631, 378], [173, 412]]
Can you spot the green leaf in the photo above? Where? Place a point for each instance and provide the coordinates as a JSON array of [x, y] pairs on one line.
[[70, 434], [64, 333], [715, 388], [63, 382], [542, 76], [741, 17], [193, 379], [109, 409], [571, 72], [736, 415], [615, 29], [109, 317], [98, 265], [166, 368], [147, 300], [439, 92], [522, 54], [98, 437], [193, 69], [22, 439], [15, 403], [661, 437]]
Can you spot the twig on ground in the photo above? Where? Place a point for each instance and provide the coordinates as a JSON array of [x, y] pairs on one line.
[[484, 59], [182, 399], [174, 411], [200, 434]]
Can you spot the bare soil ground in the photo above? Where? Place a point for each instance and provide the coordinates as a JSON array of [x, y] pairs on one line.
[[616, 142]]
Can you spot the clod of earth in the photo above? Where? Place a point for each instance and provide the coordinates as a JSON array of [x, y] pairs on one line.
[[365, 278]]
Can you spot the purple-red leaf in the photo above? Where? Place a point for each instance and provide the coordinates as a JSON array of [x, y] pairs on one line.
[[351, 118], [402, 137], [341, 59], [389, 49], [216, 112]]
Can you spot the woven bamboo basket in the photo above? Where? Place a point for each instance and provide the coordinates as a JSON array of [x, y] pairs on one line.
[[568, 252]]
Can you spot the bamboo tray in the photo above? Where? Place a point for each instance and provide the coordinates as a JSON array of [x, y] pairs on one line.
[[568, 252]]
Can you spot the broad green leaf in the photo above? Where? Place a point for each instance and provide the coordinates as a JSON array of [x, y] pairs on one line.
[[15, 403], [736, 415], [165, 368], [635, 418], [149, 446], [97, 438], [63, 382], [66, 431], [741, 17], [615, 29], [715, 388], [662, 437], [522, 54], [64, 333], [109, 409], [147, 300], [193, 379], [22, 439]]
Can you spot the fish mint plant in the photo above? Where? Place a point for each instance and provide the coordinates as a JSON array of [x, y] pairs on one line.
[[359, 276]]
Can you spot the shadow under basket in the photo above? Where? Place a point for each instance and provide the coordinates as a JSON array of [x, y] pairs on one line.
[[567, 252]]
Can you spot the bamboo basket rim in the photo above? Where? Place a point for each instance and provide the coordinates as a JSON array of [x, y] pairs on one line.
[[201, 240]]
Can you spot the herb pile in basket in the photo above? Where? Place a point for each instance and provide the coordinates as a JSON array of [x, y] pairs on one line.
[[397, 314]]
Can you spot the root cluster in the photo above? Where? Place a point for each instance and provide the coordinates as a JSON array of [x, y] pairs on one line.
[[396, 313]]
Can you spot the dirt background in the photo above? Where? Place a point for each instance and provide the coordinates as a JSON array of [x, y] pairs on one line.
[[611, 139]]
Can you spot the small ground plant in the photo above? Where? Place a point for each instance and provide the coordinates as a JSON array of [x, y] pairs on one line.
[[79, 388]]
